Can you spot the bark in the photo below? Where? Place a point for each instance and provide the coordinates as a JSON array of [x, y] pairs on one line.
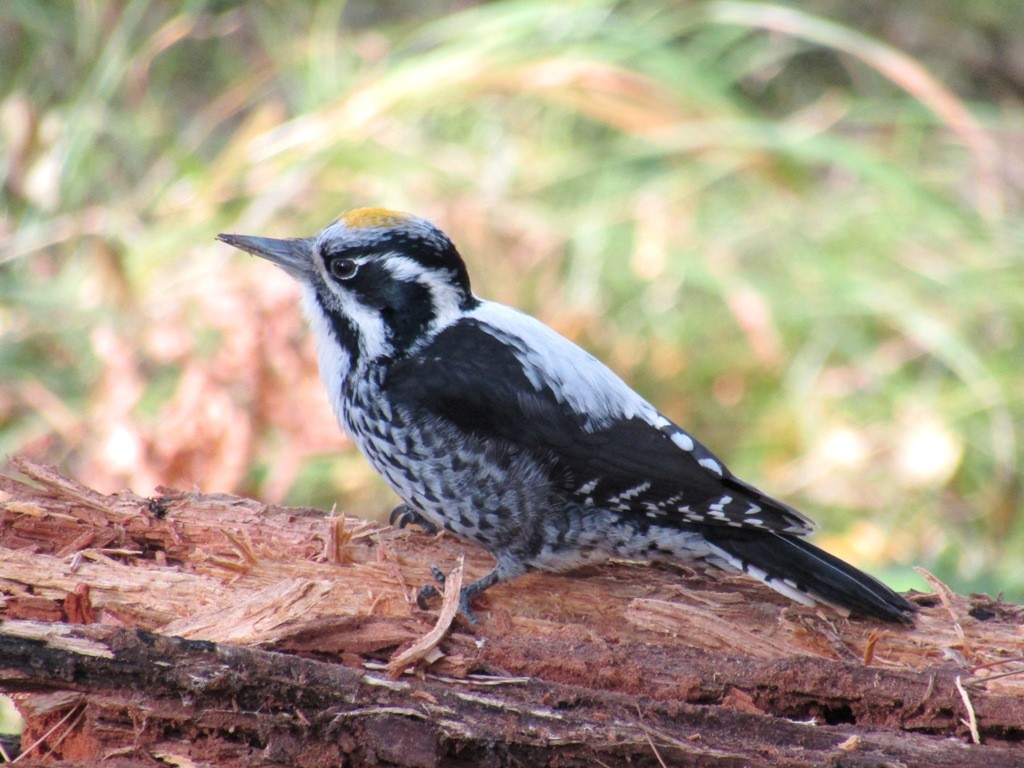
[[211, 629]]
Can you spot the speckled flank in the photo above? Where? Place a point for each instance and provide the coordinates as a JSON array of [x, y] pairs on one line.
[[504, 500]]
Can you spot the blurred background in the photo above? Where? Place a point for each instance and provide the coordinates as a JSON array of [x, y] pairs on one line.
[[795, 227]]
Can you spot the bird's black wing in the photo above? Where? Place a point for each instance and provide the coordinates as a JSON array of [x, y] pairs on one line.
[[615, 455]]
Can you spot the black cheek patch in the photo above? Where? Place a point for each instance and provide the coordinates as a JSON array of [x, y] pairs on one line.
[[407, 307], [408, 312]]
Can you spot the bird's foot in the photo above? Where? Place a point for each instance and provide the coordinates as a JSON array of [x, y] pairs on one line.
[[429, 591], [404, 515]]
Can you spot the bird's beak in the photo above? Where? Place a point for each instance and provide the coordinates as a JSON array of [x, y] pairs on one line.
[[294, 255]]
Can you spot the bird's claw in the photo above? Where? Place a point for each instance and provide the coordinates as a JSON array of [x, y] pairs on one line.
[[430, 591], [404, 515], [427, 593]]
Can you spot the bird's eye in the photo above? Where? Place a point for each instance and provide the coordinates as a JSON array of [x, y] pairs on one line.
[[344, 269]]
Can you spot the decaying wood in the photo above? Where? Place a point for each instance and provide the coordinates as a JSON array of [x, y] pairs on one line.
[[217, 630]]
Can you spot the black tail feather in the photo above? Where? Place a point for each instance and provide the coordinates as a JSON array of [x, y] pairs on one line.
[[791, 563]]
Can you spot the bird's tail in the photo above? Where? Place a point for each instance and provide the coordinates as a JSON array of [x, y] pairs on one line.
[[805, 573]]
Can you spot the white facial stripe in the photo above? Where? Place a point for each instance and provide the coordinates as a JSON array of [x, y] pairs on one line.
[[444, 295], [402, 267], [373, 338], [333, 359]]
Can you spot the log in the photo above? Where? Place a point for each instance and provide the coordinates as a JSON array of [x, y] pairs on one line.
[[204, 628]]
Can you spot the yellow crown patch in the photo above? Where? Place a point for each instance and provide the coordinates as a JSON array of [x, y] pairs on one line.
[[373, 218]]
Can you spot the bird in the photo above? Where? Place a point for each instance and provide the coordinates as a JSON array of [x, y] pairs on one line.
[[490, 425]]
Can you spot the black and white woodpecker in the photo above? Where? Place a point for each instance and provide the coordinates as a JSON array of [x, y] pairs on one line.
[[489, 424]]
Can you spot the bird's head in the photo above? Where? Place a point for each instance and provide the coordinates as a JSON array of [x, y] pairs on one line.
[[378, 281]]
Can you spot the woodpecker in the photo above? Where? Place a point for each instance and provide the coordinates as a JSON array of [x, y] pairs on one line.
[[490, 425]]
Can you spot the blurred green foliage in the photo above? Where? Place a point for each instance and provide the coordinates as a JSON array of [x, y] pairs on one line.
[[796, 228]]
